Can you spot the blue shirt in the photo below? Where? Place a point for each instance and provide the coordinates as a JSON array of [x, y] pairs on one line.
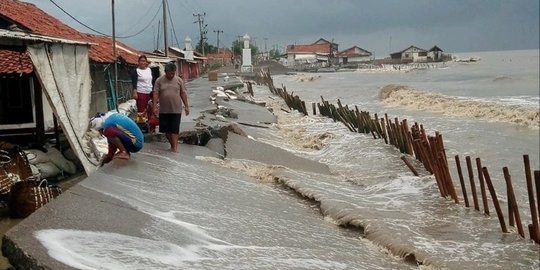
[[127, 126]]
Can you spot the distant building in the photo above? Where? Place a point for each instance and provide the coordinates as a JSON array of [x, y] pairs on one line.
[[435, 54], [354, 55], [189, 62], [320, 53], [224, 56], [411, 54], [418, 55]]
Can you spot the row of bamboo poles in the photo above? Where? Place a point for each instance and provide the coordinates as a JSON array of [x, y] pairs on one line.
[[430, 151]]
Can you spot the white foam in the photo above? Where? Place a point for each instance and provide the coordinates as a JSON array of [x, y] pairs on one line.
[[104, 250], [524, 115]]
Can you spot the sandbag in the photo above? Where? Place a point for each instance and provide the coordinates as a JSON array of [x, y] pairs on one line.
[[70, 155], [36, 156], [60, 161], [48, 169], [35, 171]]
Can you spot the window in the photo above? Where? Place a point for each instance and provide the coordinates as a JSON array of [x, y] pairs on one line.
[[16, 102]]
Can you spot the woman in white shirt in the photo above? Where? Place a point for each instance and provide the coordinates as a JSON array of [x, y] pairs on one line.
[[141, 81]]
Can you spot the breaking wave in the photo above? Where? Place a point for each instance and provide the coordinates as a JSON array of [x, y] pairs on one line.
[[399, 95], [307, 78]]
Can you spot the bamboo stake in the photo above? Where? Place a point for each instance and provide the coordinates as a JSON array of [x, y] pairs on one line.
[[436, 169], [462, 181], [446, 170], [482, 186], [532, 234], [408, 139], [384, 132], [473, 185], [514, 216], [411, 167], [495, 200], [537, 181], [530, 191]]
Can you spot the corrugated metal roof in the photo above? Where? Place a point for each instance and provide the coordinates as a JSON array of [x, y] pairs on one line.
[[6, 34]]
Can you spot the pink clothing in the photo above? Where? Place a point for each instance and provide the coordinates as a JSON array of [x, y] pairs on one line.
[[142, 101]]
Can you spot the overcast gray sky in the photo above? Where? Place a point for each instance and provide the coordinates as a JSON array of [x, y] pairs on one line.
[[379, 26]]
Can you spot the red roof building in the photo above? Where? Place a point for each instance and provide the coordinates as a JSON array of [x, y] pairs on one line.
[[28, 17], [221, 54], [321, 52]]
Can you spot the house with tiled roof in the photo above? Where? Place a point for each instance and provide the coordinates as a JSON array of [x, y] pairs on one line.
[[34, 85], [29, 18], [318, 54], [223, 56], [354, 55]]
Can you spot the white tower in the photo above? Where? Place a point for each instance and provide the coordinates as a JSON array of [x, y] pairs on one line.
[[246, 56], [189, 49]]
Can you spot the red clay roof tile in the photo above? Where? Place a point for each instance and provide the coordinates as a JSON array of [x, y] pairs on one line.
[[313, 48], [31, 18], [15, 61]]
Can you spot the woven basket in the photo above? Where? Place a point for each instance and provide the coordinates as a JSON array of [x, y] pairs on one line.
[[5, 180], [28, 196], [18, 164]]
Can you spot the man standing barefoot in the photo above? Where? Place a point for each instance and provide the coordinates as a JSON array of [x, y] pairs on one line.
[[170, 93]]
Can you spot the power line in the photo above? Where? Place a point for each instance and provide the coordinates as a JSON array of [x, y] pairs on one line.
[[172, 25], [143, 16], [146, 27], [99, 32], [67, 13]]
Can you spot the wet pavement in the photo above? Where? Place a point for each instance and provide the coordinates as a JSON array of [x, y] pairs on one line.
[[163, 210]]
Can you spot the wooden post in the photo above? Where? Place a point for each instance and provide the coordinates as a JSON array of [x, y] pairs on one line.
[[495, 200], [530, 191], [537, 181], [482, 186], [462, 181], [514, 215], [411, 167], [471, 181], [532, 235], [314, 108]]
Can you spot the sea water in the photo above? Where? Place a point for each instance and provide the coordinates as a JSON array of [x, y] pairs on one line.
[[369, 213]]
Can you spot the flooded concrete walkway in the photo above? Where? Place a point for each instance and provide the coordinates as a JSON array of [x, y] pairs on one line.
[[164, 210]]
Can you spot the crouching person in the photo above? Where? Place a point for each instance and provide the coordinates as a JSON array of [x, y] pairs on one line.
[[123, 135]]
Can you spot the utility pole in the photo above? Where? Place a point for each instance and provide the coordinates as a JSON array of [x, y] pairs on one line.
[[265, 39], [165, 28], [114, 56], [158, 31], [202, 29], [218, 31], [390, 45]]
